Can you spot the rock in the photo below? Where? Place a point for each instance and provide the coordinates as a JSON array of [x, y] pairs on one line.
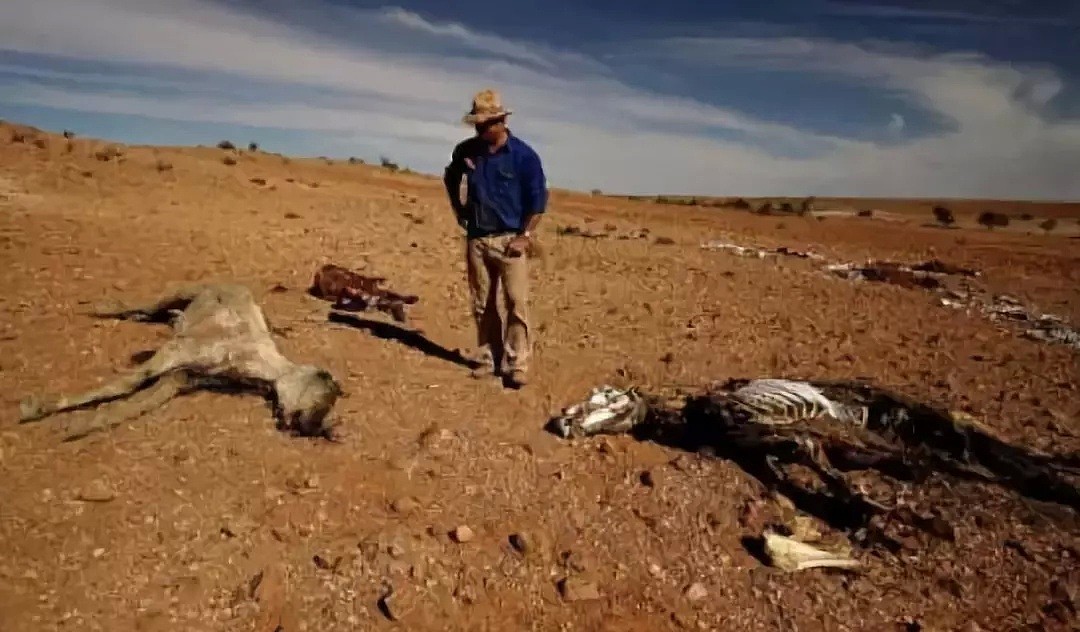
[[520, 542], [405, 505], [98, 552], [577, 589], [97, 492], [697, 592], [398, 602], [462, 534], [804, 529]]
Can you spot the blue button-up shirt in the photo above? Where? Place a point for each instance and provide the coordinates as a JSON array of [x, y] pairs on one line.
[[504, 187]]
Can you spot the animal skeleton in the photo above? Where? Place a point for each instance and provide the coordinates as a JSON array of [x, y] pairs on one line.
[[832, 428], [221, 340], [350, 290]]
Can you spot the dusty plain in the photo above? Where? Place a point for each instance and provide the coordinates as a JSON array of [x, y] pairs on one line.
[[201, 516]]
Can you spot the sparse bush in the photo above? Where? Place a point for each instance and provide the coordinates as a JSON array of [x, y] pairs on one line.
[[388, 164], [1025, 217], [597, 192], [787, 207], [740, 204], [765, 209], [18, 137], [990, 219], [163, 166], [1048, 225], [258, 181], [109, 153], [356, 161], [68, 134], [229, 161], [253, 146], [866, 212], [944, 216], [807, 206], [226, 145], [664, 241]]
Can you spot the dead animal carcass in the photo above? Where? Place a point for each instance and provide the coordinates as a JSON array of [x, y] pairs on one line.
[[220, 341], [356, 292]]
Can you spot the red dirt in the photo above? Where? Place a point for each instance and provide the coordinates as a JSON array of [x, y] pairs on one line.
[[194, 502]]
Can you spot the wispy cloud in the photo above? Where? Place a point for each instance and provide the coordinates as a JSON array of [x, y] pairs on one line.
[[404, 79], [980, 12]]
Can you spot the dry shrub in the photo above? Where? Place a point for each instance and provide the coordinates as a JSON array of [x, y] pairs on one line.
[[664, 241], [258, 181], [229, 161], [356, 161], [253, 146], [227, 145], [108, 153], [1048, 225], [163, 166], [866, 212], [990, 219], [944, 216]]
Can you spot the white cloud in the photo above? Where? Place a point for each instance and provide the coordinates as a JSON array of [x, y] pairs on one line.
[[405, 80], [896, 123]]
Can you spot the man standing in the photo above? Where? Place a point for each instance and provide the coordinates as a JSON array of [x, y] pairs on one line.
[[507, 194]]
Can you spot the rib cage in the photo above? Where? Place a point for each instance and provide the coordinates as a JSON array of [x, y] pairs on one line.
[[781, 402]]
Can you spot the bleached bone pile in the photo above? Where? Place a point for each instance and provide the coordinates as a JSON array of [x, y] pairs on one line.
[[951, 283], [607, 410], [760, 253]]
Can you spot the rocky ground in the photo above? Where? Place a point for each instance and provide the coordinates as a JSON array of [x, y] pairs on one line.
[[447, 505]]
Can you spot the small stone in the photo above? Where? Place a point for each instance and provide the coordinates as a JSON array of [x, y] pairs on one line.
[[577, 589], [520, 542], [97, 492], [655, 570], [405, 505], [98, 552], [398, 602], [463, 534], [697, 592]]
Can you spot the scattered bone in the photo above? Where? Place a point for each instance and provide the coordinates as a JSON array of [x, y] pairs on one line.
[[356, 292], [608, 410], [760, 253], [935, 276], [220, 340], [791, 555]]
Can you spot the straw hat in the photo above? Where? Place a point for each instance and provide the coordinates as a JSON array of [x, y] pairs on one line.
[[486, 105]]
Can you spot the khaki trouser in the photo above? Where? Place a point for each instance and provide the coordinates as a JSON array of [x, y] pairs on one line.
[[489, 267]]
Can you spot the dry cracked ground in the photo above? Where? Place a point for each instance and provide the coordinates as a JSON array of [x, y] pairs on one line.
[[447, 506]]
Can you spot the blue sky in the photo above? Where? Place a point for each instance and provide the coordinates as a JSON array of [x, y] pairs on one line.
[[824, 97]]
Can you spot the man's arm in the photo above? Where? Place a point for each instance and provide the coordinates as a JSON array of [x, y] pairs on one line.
[[452, 181], [534, 193]]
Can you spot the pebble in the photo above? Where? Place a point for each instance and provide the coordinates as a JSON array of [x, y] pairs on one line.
[[577, 589], [97, 492], [405, 505], [463, 534], [520, 542], [697, 592], [98, 552]]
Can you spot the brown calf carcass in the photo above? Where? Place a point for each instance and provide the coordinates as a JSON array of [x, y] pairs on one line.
[[357, 292]]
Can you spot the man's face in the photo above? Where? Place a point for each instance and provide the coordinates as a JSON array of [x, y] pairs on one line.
[[491, 130]]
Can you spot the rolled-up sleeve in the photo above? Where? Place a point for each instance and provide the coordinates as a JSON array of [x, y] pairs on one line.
[[534, 185]]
